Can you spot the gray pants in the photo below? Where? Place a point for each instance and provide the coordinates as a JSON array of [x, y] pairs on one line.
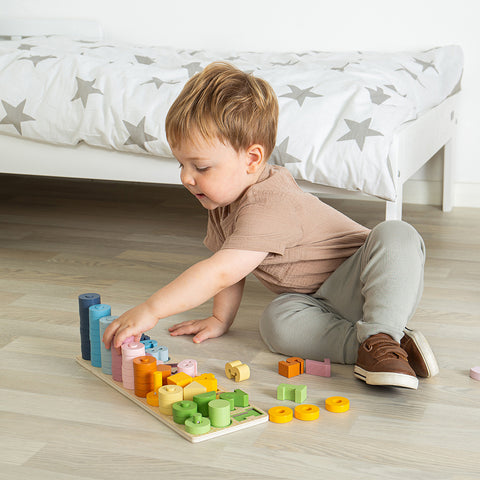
[[376, 290]]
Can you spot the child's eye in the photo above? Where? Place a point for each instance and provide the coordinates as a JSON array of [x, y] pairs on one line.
[[202, 169]]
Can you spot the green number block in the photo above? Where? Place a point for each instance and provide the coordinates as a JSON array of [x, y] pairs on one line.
[[295, 393], [202, 400], [245, 415]]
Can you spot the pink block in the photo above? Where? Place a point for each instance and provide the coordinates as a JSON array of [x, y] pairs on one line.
[[475, 373], [321, 369]]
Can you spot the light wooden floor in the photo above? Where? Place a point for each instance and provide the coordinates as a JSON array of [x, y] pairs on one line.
[[62, 238]]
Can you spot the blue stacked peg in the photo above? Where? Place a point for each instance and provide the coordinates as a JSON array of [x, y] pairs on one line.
[[96, 312], [85, 301]]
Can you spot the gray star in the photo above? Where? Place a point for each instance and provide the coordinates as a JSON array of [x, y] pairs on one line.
[[426, 65], [285, 64], [359, 131], [300, 95], [84, 89], [280, 155], [144, 60], [404, 69], [158, 83], [15, 115], [342, 69], [25, 46], [36, 59], [138, 136], [192, 68], [98, 46], [392, 87], [377, 96]]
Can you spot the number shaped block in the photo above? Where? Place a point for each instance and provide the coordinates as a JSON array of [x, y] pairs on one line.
[[291, 367], [321, 369], [294, 393], [237, 370]]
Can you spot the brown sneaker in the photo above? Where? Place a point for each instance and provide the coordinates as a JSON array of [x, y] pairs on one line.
[[420, 355], [381, 361]]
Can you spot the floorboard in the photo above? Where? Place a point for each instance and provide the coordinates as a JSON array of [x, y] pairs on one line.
[[60, 238]]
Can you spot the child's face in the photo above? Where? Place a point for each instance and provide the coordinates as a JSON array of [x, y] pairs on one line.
[[215, 173]]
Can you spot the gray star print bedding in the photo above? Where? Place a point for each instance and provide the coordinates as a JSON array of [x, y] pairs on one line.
[[338, 111]]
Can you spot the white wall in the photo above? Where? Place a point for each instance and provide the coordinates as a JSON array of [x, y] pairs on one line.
[[303, 25]]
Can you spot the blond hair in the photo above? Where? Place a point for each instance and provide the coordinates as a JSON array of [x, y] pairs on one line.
[[224, 103]]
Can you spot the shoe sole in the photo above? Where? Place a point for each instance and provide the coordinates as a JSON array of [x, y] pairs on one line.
[[424, 348], [386, 378]]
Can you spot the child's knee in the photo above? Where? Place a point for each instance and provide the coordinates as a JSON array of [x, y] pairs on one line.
[[398, 235], [270, 325], [278, 319]]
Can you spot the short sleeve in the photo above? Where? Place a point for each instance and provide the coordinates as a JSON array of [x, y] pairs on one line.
[[214, 238]]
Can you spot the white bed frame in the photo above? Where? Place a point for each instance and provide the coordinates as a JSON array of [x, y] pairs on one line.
[[414, 144]]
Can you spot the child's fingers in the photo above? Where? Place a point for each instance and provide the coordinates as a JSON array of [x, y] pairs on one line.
[[208, 331], [201, 336], [189, 328], [122, 335], [108, 335], [180, 325]]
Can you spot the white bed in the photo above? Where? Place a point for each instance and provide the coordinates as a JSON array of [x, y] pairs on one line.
[[410, 146]]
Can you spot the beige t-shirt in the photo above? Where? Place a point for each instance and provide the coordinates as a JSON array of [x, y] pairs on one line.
[[306, 239]]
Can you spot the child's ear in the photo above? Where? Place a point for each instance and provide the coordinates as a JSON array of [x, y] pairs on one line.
[[255, 155]]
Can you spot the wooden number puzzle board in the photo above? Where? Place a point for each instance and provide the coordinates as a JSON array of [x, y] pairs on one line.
[[235, 425]]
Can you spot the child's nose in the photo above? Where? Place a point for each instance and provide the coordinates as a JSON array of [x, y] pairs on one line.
[[187, 178]]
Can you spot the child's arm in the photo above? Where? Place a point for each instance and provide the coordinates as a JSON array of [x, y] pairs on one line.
[[193, 287], [225, 307]]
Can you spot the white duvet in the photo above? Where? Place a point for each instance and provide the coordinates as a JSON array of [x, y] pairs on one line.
[[338, 111]]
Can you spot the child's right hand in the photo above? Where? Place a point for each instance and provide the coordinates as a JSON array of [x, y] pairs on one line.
[[134, 322], [210, 327]]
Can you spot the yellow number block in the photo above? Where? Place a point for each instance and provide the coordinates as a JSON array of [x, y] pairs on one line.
[[307, 412], [280, 414], [208, 380], [237, 370], [337, 404], [180, 378]]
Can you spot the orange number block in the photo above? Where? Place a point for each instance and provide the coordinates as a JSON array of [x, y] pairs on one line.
[[291, 367]]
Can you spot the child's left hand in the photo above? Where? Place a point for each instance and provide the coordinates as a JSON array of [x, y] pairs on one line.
[[203, 329]]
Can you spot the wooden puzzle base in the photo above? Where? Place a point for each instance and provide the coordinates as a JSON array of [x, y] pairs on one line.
[[255, 415]]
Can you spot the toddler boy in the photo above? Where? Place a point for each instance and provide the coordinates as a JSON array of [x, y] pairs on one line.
[[345, 292]]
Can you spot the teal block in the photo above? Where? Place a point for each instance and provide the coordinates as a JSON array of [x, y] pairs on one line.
[[294, 393]]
